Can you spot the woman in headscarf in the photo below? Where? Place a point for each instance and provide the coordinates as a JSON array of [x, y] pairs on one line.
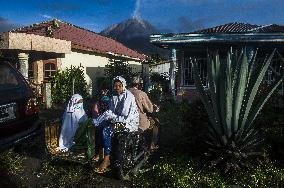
[[122, 109], [73, 115]]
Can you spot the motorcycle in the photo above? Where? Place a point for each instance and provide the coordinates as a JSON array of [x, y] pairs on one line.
[[130, 150]]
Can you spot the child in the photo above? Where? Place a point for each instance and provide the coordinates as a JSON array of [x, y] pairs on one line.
[[101, 105], [98, 109], [73, 114]]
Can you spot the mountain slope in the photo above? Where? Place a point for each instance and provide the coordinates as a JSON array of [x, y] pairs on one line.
[[135, 33]]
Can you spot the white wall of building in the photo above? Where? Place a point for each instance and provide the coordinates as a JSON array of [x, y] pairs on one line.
[[160, 68], [93, 65]]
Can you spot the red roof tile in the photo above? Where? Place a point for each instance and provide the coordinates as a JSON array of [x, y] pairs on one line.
[[80, 38]]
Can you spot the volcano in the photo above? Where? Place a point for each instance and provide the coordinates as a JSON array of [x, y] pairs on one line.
[[135, 34]]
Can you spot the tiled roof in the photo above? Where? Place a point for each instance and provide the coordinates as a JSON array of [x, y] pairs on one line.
[[80, 38], [242, 28]]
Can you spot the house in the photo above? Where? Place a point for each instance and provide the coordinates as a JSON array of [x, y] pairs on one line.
[[41, 49], [161, 68], [188, 46]]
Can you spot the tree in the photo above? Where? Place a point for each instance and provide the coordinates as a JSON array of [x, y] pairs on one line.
[[118, 68]]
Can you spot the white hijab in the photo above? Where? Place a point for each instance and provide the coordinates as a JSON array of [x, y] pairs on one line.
[[122, 108], [74, 114]]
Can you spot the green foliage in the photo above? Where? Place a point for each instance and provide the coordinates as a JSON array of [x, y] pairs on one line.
[[63, 175], [265, 174], [231, 106], [178, 171], [118, 68], [62, 84], [84, 139], [156, 58], [160, 86]]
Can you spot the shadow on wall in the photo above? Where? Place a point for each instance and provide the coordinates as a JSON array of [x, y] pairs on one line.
[[94, 73], [99, 72], [136, 68]]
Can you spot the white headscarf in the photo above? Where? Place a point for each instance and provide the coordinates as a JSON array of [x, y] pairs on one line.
[[122, 80], [124, 107], [74, 114]]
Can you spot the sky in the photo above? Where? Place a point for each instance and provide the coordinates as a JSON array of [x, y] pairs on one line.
[[168, 16]]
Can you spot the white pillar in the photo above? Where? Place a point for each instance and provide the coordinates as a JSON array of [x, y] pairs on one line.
[[172, 72], [47, 94], [24, 66]]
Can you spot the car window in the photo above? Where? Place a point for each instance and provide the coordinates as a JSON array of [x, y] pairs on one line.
[[8, 77]]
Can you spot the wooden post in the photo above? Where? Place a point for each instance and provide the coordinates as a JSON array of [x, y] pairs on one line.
[[172, 73]]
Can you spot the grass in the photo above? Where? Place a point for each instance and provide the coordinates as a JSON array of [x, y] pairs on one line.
[[11, 162], [181, 171], [177, 163]]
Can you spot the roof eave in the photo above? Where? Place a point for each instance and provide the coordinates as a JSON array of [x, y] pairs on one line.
[[167, 40], [124, 56]]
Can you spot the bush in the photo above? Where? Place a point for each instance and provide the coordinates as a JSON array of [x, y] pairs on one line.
[[118, 68], [160, 86], [62, 84]]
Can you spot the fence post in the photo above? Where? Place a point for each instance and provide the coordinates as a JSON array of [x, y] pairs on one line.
[[47, 94], [73, 86]]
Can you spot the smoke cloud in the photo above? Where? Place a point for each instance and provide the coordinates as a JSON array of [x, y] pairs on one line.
[[136, 12]]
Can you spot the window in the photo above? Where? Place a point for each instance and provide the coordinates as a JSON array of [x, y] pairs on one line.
[[49, 70], [187, 72], [8, 78]]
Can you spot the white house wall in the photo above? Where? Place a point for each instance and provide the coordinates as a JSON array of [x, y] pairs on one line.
[[161, 68], [93, 65]]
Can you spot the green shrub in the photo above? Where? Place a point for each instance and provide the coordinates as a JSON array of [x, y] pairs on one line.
[[62, 84], [118, 68], [160, 86]]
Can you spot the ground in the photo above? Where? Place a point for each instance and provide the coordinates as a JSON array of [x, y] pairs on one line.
[[29, 164]]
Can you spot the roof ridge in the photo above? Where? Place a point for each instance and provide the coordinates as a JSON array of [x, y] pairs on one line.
[[260, 27]]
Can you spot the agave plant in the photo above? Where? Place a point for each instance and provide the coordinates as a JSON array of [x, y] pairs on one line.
[[233, 102]]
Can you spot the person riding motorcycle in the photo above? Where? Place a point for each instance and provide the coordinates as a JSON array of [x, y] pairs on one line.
[[122, 109], [145, 106]]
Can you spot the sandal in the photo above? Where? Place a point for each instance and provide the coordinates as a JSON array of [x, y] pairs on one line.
[[154, 147], [96, 158], [102, 169]]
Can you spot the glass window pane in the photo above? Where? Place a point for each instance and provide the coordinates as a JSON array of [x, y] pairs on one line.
[[8, 77]]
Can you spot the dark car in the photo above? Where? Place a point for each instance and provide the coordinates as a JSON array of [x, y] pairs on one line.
[[19, 118]]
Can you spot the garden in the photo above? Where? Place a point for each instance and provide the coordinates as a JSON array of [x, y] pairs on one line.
[[211, 142]]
